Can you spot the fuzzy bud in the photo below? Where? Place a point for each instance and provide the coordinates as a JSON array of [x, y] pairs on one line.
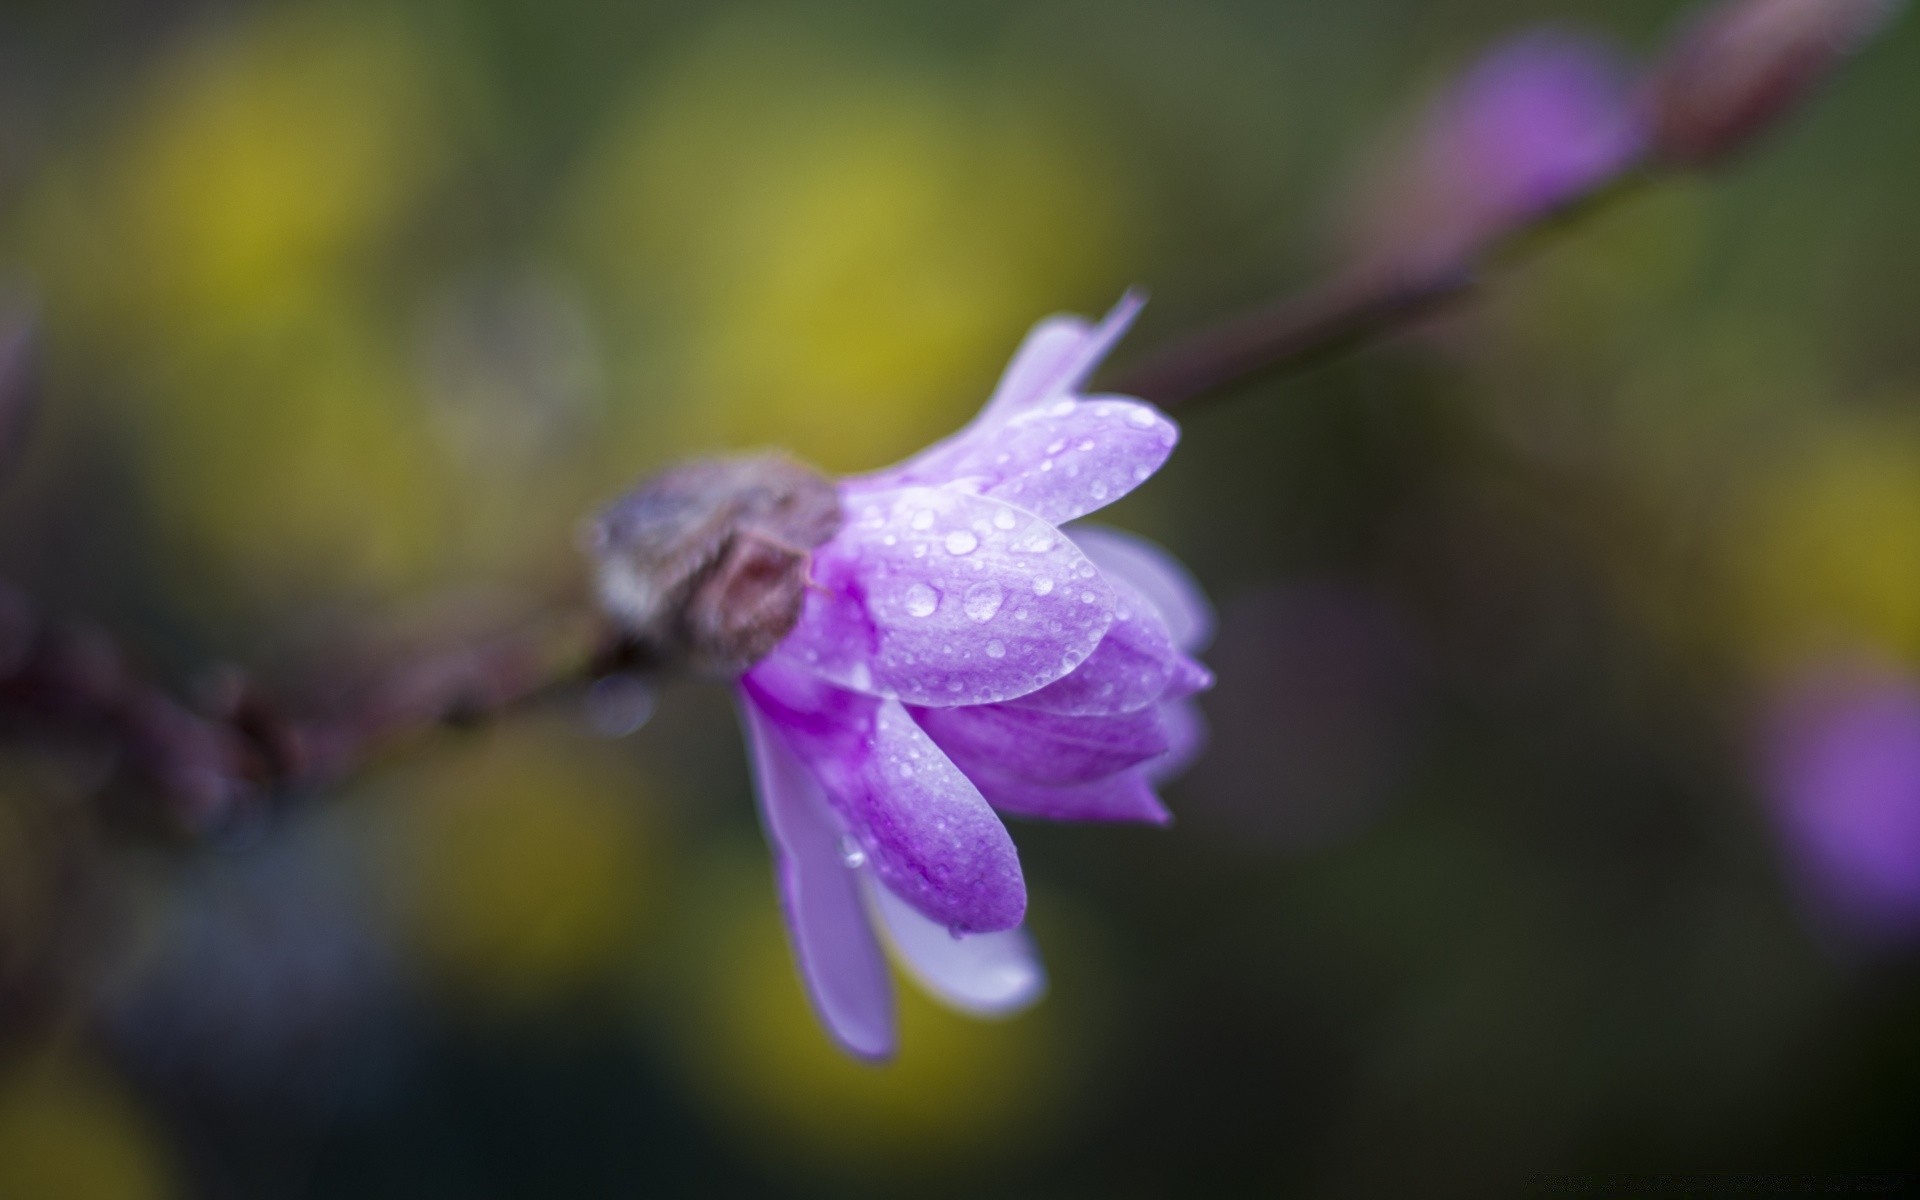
[[1744, 65], [706, 565]]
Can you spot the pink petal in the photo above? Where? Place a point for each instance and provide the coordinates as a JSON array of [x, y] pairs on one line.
[[918, 823], [937, 597], [986, 974], [1132, 667], [1157, 575], [1045, 747], [1127, 796], [840, 961]]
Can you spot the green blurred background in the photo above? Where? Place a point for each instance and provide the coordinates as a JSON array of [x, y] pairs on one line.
[[352, 311]]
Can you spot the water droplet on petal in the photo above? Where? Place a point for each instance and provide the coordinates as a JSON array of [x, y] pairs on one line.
[[996, 649], [1003, 520], [1047, 465], [1140, 418], [983, 601], [1086, 597], [1087, 444], [961, 542], [1057, 445], [922, 600], [850, 852], [922, 519], [920, 551], [1098, 489], [1042, 585]]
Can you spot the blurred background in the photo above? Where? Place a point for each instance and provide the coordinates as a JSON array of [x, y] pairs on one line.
[[1562, 815]]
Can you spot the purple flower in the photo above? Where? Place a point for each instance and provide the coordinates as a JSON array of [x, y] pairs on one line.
[[959, 653], [1535, 123], [1842, 762]]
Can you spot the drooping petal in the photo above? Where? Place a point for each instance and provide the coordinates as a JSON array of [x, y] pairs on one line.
[[1045, 747], [1057, 358], [840, 960], [986, 974], [1126, 796], [917, 822], [937, 597], [1132, 667], [1155, 574]]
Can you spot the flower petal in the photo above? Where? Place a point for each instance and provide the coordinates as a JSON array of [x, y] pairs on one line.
[[918, 822], [1052, 364], [1126, 796], [1067, 459], [937, 597], [1057, 357], [986, 974], [1157, 575], [1044, 747], [1132, 667], [1186, 737], [840, 960]]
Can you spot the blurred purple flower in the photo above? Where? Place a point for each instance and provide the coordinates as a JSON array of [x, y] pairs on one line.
[[1538, 121], [959, 654], [1842, 766]]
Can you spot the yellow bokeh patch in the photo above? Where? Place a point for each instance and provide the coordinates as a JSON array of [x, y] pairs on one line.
[[520, 867], [835, 253], [69, 1131], [1822, 554]]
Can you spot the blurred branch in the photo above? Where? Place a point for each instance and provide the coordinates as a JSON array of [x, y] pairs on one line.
[[1729, 76], [68, 684]]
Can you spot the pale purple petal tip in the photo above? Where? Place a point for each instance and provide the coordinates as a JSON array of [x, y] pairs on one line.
[[840, 960], [1058, 356], [985, 974]]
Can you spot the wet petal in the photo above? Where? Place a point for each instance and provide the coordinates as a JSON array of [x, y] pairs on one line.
[[1132, 667], [937, 597], [916, 821], [1069, 458], [1157, 575], [986, 974], [1057, 358], [1045, 747], [840, 960], [1127, 796]]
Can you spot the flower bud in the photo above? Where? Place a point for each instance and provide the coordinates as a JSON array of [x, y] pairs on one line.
[[1744, 65], [706, 565]]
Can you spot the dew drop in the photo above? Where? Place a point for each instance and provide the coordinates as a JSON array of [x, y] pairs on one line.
[[961, 542], [1086, 445], [1086, 597], [1057, 445], [851, 854], [1003, 520], [983, 601], [1098, 489], [920, 551], [889, 540], [1041, 585], [1140, 418], [1047, 465], [996, 649], [922, 519], [922, 600]]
